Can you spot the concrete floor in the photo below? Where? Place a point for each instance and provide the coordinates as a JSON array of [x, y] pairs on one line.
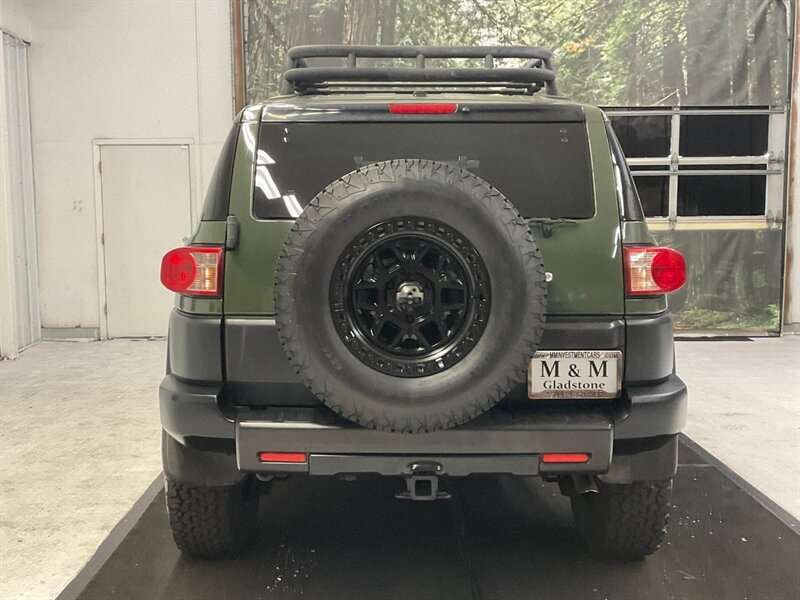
[[79, 443], [744, 408], [79, 440]]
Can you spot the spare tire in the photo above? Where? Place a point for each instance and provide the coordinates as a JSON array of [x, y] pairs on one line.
[[410, 296]]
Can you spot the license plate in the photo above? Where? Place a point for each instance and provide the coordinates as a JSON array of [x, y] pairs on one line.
[[575, 374]]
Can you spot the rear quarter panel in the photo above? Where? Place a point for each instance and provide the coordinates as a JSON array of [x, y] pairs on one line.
[[585, 258]]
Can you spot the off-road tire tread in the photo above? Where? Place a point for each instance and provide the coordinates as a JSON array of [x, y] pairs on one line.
[[210, 522], [519, 235], [624, 521]]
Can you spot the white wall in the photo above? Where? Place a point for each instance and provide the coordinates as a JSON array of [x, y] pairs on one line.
[[13, 20], [115, 69], [14, 17]]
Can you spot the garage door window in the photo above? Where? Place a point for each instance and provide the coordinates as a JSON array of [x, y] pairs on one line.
[[724, 163]]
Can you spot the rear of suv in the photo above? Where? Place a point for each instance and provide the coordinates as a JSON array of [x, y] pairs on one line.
[[422, 273]]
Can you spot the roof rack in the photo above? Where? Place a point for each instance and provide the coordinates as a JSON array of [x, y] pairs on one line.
[[299, 77]]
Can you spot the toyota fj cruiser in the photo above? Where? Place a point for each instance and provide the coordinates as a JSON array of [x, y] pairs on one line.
[[424, 272]]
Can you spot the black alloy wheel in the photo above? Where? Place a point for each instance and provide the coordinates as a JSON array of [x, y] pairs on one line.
[[410, 296]]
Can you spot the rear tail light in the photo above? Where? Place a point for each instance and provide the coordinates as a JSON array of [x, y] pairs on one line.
[[427, 108], [193, 271], [650, 270]]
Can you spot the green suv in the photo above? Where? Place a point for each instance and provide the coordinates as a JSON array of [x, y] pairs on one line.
[[422, 263]]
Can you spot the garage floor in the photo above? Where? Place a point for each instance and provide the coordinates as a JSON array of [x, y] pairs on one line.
[[744, 408], [79, 444], [499, 537]]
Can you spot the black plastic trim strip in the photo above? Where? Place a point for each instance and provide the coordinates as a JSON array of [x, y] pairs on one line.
[[650, 348], [351, 112], [215, 205], [194, 348], [254, 354], [653, 410], [455, 466]]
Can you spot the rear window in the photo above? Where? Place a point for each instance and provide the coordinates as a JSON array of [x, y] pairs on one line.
[[542, 168]]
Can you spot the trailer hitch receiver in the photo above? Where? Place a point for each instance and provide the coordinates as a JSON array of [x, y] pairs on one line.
[[422, 482]]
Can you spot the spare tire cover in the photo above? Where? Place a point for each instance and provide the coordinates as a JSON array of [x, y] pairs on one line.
[[410, 296]]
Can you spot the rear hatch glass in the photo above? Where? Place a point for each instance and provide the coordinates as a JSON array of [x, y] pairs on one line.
[[542, 168]]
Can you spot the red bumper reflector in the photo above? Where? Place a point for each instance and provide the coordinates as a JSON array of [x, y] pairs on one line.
[[282, 457], [565, 457], [423, 109]]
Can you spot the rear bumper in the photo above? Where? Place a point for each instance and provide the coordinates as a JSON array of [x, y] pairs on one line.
[[496, 442], [627, 439], [501, 441], [652, 410]]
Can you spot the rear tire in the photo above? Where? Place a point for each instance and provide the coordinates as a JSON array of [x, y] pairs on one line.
[[212, 521], [624, 521]]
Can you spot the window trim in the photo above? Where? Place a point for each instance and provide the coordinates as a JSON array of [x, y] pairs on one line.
[[215, 205], [630, 205]]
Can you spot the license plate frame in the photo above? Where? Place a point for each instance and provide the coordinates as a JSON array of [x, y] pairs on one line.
[[575, 375]]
